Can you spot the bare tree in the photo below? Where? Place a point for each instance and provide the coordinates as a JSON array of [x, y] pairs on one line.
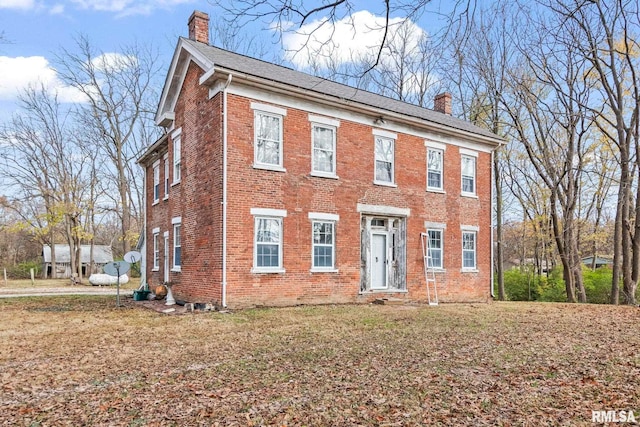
[[606, 36], [288, 16], [481, 56], [45, 171], [119, 93]]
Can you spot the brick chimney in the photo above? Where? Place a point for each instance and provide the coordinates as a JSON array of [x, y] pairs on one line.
[[199, 27], [442, 103]]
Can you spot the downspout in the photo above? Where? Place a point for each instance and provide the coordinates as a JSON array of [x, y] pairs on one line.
[[224, 192], [493, 295], [143, 249]]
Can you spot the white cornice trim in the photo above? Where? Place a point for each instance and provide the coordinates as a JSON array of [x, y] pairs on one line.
[[383, 210]]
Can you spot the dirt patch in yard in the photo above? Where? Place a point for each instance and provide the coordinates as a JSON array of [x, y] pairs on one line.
[[82, 361]]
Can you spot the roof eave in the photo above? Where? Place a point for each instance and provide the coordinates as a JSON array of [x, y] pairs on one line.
[[183, 54], [154, 149], [217, 73]]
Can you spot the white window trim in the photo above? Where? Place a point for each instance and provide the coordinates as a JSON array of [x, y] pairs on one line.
[[382, 210], [156, 182], [267, 213], [441, 188], [435, 145], [384, 134], [319, 216], [333, 268], [267, 108], [391, 137], [324, 121], [474, 230], [475, 176], [271, 111], [156, 249], [334, 128], [441, 230], [469, 153], [176, 222], [324, 217], [167, 185]]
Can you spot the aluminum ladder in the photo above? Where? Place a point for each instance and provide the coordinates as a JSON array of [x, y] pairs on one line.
[[429, 272]]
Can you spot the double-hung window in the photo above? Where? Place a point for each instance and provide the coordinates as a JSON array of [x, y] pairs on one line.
[[469, 253], [268, 240], [166, 176], [177, 159], [434, 169], [384, 157], [177, 243], [323, 150], [435, 248], [323, 241], [156, 182], [268, 123], [468, 162], [156, 249]]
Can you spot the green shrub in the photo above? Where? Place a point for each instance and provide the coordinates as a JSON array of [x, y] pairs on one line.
[[23, 270], [552, 288], [597, 284], [521, 285]]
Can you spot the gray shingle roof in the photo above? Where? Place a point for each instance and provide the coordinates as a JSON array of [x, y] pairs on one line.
[[101, 254], [277, 73]]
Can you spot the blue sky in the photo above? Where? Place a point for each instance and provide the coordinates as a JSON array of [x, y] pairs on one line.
[[35, 30]]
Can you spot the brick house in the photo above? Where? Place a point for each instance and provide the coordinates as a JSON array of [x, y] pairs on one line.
[[274, 187]]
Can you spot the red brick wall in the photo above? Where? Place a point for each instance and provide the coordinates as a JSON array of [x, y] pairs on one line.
[[299, 193], [198, 200]]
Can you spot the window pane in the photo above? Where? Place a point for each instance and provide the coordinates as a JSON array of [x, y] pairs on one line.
[[384, 159], [267, 139], [267, 255], [323, 256], [434, 169], [384, 149], [435, 248], [323, 138], [435, 180], [435, 160], [322, 233], [436, 258], [177, 254], [268, 230], [467, 184], [469, 250], [322, 160]]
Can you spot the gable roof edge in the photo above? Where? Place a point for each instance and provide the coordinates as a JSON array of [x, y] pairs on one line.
[[182, 56]]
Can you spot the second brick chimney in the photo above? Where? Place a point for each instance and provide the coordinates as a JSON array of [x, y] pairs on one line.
[[442, 103], [199, 27]]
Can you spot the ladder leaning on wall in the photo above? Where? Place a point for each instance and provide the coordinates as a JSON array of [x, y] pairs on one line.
[[429, 272]]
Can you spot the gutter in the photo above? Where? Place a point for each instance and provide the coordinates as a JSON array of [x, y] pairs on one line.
[[224, 191], [491, 284]]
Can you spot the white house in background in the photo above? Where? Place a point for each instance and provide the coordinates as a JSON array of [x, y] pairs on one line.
[[102, 254]]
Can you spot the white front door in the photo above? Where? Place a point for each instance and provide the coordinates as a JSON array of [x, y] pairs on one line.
[[166, 258], [378, 260]]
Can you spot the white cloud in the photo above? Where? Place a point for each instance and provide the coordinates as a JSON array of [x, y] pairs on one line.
[[353, 38], [57, 9], [113, 62], [17, 4], [21, 72]]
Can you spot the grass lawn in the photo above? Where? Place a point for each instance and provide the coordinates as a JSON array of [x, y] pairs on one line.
[[81, 361]]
